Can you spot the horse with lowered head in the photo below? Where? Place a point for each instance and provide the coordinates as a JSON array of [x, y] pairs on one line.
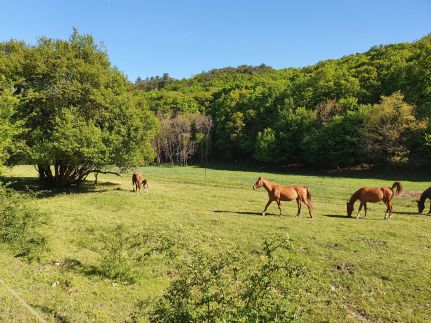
[[421, 202], [374, 195], [138, 181], [278, 193]]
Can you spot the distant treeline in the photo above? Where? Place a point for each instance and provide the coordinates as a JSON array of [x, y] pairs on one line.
[[68, 111], [372, 108]]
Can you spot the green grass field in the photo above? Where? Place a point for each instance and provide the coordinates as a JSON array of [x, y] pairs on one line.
[[362, 270]]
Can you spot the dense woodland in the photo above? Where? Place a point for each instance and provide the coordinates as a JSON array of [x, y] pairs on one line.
[[68, 111], [369, 108]]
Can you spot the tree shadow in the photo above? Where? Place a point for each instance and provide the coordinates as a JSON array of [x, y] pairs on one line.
[[376, 172], [31, 185]]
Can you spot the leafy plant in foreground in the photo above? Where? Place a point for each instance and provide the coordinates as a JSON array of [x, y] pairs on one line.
[[19, 226], [231, 287]]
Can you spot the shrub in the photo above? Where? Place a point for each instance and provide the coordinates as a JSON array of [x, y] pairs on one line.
[[231, 287], [19, 226]]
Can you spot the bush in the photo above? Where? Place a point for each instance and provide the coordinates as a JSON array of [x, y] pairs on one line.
[[231, 287], [19, 226]]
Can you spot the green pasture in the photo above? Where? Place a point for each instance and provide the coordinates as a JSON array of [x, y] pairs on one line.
[[360, 270]]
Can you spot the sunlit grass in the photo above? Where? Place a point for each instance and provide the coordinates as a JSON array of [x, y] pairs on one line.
[[377, 270]]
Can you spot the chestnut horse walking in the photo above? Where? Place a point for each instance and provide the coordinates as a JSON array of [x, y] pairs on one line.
[[421, 202], [138, 182], [374, 195], [278, 193]]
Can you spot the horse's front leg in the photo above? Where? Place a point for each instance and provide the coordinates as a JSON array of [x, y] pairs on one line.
[[365, 209], [267, 204], [279, 207], [430, 208], [360, 208]]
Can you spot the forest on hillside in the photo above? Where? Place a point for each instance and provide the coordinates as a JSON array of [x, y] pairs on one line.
[[371, 108], [68, 111]]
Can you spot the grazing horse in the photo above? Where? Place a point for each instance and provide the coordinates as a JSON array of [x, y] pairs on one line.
[[278, 193], [421, 202], [373, 195], [137, 182]]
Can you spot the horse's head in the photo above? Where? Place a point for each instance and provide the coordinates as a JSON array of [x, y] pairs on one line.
[[258, 184], [421, 206], [349, 208]]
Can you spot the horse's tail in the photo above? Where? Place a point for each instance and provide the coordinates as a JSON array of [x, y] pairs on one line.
[[308, 196], [398, 188]]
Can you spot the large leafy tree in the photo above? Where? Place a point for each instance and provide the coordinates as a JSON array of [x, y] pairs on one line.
[[9, 130], [79, 111]]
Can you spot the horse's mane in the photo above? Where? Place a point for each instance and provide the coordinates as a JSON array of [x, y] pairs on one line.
[[355, 196], [425, 194]]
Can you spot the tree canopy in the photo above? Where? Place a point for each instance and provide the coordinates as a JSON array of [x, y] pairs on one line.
[[78, 112], [324, 114], [67, 110]]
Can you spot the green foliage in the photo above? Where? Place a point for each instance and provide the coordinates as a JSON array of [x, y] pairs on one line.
[[265, 146], [9, 129], [229, 287], [79, 112], [245, 102], [19, 226], [388, 125], [313, 112]]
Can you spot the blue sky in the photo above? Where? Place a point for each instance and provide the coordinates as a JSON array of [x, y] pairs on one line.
[[185, 37]]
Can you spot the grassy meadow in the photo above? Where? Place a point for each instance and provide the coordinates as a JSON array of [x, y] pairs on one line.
[[359, 270]]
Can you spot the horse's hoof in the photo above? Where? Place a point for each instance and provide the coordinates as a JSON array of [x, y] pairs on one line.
[[263, 213]]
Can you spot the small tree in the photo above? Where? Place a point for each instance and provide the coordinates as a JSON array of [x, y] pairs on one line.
[[388, 126]]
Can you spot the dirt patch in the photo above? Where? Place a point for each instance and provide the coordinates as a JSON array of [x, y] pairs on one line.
[[411, 194], [345, 268], [374, 243]]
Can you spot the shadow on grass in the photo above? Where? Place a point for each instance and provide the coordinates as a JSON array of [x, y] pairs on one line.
[[382, 173], [244, 212], [32, 186], [76, 266], [407, 213], [340, 216], [51, 313]]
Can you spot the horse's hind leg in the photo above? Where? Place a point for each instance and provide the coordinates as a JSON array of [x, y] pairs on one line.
[[308, 206], [430, 207], [388, 209], [267, 204], [298, 203]]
